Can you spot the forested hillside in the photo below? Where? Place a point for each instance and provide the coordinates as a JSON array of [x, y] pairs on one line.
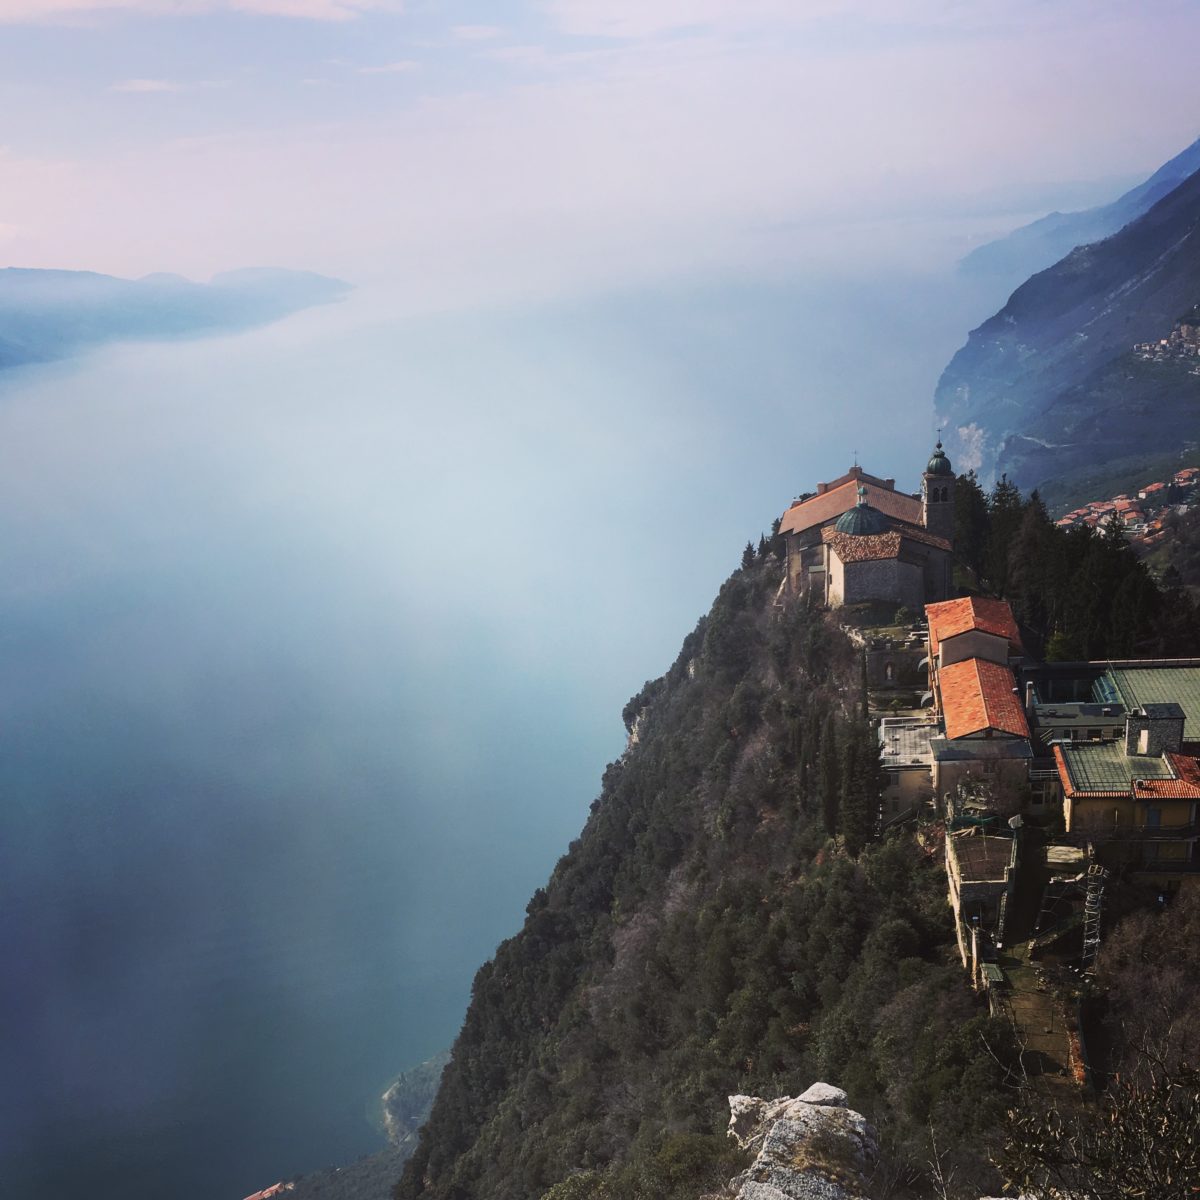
[[706, 935]]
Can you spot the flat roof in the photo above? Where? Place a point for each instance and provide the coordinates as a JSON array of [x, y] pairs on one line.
[[980, 749], [978, 857], [1140, 687], [908, 744], [1072, 710]]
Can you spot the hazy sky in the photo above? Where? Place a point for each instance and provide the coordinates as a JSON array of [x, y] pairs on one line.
[[495, 149]]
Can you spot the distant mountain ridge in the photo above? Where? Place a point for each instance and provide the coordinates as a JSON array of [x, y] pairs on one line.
[[1050, 386], [1036, 246], [47, 315]]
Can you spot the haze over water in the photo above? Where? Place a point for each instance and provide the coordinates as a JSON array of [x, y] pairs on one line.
[[315, 643]]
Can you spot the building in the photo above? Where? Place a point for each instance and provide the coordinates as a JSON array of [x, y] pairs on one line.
[[985, 735], [857, 539], [1135, 799], [1088, 702], [906, 754], [981, 870]]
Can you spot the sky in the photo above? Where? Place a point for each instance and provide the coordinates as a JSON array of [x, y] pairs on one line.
[[468, 151]]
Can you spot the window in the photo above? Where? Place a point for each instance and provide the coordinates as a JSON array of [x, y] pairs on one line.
[[1153, 818]]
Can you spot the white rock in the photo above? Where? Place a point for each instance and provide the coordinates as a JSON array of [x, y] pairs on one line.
[[824, 1094], [808, 1149]]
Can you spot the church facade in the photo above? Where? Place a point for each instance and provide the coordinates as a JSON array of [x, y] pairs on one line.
[[858, 539]]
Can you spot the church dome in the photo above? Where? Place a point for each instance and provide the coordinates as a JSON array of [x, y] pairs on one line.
[[862, 519], [939, 464]]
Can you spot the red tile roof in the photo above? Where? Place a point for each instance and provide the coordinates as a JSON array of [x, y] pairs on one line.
[[859, 548], [977, 695], [949, 618], [818, 509]]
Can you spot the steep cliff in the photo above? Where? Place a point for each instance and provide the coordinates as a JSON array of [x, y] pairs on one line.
[[1049, 387], [706, 936]]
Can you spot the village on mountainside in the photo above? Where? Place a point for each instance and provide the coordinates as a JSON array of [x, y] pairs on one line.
[[1143, 515]]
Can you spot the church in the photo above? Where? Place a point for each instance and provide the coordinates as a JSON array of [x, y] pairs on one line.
[[858, 539]]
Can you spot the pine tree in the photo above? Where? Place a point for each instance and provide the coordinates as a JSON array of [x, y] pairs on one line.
[[777, 541], [971, 525], [1033, 569], [859, 783], [1005, 511], [748, 555]]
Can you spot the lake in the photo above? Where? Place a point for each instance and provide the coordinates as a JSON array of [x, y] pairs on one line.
[[314, 645]]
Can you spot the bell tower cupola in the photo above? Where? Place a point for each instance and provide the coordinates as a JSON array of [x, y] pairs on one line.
[[937, 495]]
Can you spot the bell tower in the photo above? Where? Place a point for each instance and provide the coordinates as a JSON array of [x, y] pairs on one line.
[[937, 495]]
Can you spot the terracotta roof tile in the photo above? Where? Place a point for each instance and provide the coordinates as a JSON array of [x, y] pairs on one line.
[[818, 509], [976, 695], [859, 548], [949, 618]]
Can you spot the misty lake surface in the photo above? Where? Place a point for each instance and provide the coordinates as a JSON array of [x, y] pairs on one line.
[[313, 645]]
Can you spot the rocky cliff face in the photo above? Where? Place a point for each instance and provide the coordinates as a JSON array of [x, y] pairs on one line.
[[811, 1148]]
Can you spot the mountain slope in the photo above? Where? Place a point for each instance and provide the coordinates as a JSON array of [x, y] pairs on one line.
[[1047, 366], [49, 315], [703, 937], [1033, 247]]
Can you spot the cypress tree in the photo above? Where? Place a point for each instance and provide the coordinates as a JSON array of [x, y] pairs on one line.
[[829, 775]]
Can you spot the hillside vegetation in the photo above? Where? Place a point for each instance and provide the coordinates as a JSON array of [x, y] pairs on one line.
[[707, 935]]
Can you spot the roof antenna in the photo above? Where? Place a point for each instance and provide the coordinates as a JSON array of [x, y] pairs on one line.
[[856, 458]]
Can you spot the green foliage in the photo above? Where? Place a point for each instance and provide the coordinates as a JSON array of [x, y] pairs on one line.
[[1183, 555], [702, 938], [682, 1167], [970, 526], [1082, 594]]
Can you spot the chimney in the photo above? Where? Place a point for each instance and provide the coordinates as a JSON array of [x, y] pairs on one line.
[[1154, 730], [822, 488], [1030, 697], [890, 484]]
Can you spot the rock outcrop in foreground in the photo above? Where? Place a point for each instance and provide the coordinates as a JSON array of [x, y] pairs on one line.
[[811, 1148]]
